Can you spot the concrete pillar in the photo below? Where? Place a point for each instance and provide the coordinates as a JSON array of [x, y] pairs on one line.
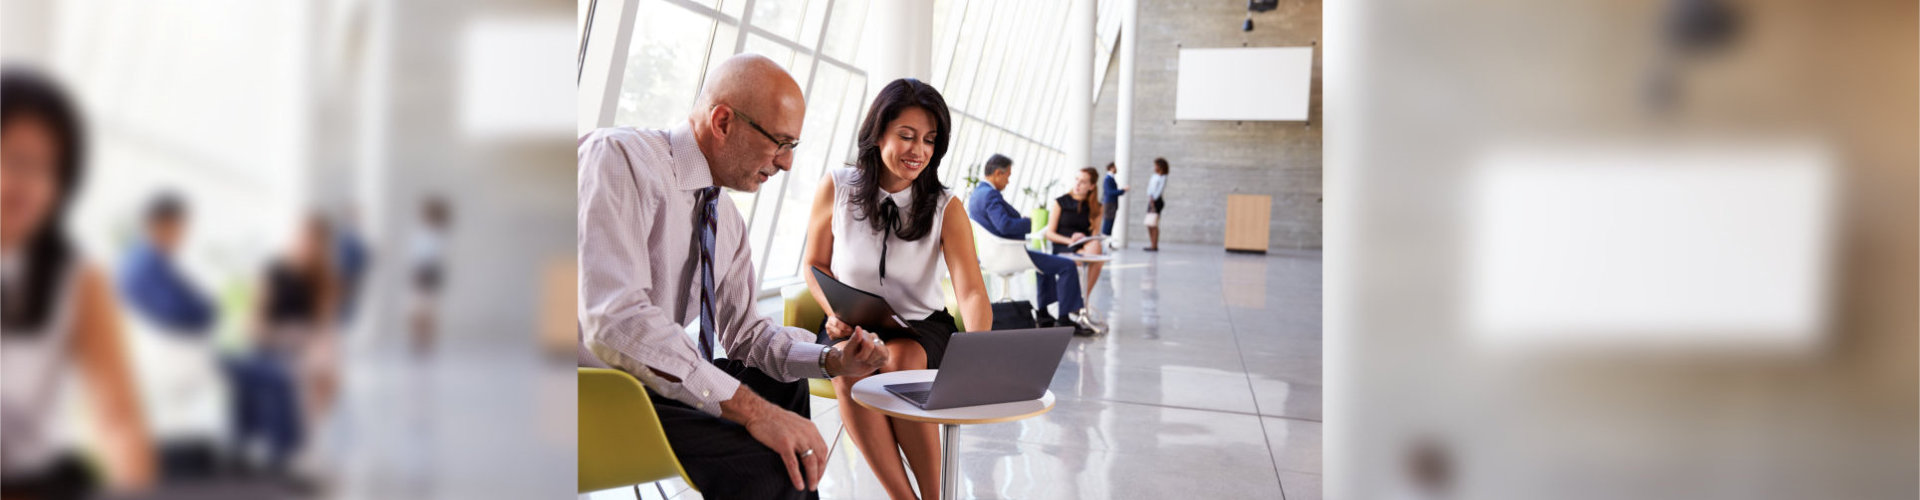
[[1123, 117], [898, 43], [1079, 75]]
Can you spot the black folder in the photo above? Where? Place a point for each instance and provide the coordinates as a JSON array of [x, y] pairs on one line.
[[859, 308]]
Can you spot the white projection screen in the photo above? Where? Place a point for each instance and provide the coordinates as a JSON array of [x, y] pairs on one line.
[[1244, 84]]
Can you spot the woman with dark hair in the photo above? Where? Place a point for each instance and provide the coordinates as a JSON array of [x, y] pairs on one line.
[[1073, 216], [290, 378], [883, 225], [1155, 204], [57, 310], [429, 271]]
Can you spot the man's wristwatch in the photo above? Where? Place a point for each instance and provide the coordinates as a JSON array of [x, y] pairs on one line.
[[825, 351]]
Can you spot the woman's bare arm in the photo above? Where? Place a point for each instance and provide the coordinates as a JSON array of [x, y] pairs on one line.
[[101, 354], [956, 243]]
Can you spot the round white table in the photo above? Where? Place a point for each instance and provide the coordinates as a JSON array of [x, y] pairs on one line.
[[872, 393]]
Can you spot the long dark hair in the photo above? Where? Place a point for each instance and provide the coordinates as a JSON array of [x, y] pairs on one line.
[[927, 189], [27, 95]]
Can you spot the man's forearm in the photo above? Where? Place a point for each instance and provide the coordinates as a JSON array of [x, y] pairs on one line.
[[745, 407]]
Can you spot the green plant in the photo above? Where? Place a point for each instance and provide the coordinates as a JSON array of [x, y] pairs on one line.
[[973, 177], [1040, 196]]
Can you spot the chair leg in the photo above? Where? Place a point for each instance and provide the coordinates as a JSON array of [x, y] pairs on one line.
[[836, 440], [659, 486]]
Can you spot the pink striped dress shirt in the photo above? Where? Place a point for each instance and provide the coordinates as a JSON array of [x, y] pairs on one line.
[[639, 272]]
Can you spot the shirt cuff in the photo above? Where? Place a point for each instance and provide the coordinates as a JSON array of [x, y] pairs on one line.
[[803, 359], [709, 386]]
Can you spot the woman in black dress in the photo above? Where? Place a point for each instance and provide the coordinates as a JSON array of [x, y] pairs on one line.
[[1073, 216]]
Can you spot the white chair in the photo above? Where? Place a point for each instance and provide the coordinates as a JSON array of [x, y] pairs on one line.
[[1002, 258], [182, 389]]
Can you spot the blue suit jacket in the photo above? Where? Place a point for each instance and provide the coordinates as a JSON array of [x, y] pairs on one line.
[[157, 290], [992, 212], [1110, 191]]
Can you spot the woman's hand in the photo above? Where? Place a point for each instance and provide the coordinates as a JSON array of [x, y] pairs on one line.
[[838, 330], [1076, 236]]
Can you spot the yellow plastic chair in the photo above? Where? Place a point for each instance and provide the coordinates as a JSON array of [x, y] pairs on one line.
[[804, 312], [621, 442], [953, 304], [1039, 217]]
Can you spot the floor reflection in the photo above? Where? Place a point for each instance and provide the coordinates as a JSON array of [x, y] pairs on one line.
[[1208, 386]]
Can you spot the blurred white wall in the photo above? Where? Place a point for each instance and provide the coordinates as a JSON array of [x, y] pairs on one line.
[[1421, 94]]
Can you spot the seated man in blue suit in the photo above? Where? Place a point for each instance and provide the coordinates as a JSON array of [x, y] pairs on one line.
[[1058, 279], [154, 285]]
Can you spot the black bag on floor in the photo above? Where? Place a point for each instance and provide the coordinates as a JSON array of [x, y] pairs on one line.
[[1016, 315]]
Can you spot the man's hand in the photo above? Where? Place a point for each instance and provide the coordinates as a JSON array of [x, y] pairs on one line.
[[860, 356], [788, 434], [837, 329]]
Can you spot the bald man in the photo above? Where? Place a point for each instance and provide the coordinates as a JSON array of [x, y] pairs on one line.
[[661, 250]]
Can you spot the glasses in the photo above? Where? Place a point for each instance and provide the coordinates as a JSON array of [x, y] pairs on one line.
[[785, 146]]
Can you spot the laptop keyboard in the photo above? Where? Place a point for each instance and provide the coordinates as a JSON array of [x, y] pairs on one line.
[[917, 393], [917, 397]]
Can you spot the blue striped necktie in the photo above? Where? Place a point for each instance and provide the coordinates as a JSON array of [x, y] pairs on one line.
[[706, 201]]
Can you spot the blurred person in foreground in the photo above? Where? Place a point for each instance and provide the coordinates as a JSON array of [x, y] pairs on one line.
[[1058, 280], [288, 381], [57, 311], [660, 247]]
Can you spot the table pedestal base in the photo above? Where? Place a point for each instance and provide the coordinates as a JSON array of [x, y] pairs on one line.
[[949, 464]]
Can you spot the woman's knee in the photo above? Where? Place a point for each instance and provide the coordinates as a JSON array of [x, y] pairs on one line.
[[905, 355]]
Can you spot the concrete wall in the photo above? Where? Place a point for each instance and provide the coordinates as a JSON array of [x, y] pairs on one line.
[[1211, 159], [512, 197]]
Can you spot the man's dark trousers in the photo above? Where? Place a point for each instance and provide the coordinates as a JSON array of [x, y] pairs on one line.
[[720, 456]]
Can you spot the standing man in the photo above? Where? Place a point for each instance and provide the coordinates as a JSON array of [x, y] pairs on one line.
[[1059, 280], [660, 248], [1110, 194]]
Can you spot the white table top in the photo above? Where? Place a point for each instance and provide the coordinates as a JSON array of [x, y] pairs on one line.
[[872, 393], [1076, 257]]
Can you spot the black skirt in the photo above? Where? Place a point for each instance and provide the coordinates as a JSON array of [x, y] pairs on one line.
[[67, 478], [934, 332]]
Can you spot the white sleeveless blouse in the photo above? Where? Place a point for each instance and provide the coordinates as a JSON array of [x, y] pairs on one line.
[[33, 368], [914, 268]]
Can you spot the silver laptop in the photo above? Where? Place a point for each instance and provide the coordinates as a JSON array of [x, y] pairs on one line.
[[982, 368]]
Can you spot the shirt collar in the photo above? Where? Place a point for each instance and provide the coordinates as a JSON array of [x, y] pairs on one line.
[[690, 169], [902, 198]]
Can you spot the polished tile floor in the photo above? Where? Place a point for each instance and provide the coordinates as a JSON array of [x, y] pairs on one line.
[[1208, 386]]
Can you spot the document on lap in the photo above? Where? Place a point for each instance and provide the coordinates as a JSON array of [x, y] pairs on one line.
[[1075, 246], [861, 308]]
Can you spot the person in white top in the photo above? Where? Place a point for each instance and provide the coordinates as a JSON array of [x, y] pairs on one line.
[[58, 317], [884, 226], [429, 260], [1155, 187]]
